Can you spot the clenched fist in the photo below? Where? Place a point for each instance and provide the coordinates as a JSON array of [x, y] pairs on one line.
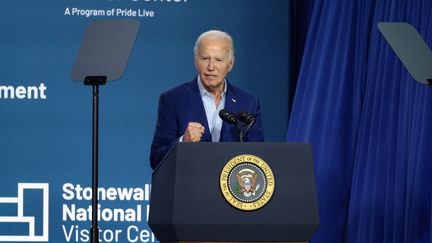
[[193, 132]]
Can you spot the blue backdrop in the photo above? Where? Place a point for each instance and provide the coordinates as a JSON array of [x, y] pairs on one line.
[[367, 119], [46, 133]]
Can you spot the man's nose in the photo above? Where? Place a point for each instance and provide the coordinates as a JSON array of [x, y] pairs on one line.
[[210, 65]]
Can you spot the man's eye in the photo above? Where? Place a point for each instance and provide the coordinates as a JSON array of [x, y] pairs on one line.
[[219, 60]]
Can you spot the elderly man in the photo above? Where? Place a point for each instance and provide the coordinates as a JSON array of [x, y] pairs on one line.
[[189, 112]]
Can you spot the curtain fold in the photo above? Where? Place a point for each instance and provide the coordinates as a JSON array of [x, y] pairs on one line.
[[368, 121]]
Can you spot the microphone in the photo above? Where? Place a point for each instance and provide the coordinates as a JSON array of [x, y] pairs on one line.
[[228, 117], [246, 118], [243, 121]]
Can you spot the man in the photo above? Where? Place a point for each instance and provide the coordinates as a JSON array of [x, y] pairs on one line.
[[189, 112]]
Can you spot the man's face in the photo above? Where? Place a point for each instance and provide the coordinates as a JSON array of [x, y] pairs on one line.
[[213, 63]]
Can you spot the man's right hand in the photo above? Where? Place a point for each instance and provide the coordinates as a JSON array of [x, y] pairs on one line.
[[193, 132]]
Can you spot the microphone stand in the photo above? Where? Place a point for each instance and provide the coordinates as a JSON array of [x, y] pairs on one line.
[[247, 121], [244, 129], [242, 133]]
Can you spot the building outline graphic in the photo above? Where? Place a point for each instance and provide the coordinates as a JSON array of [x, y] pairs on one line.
[[30, 220]]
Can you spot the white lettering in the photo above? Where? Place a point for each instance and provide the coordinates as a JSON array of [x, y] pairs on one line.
[[83, 235], [23, 92], [67, 11], [126, 194], [20, 92], [68, 212], [134, 234], [145, 13], [148, 212], [68, 235], [72, 213], [80, 235], [87, 193], [126, 12], [42, 89], [78, 192], [88, 12], [68, 191], [147, 188], [111, 193]]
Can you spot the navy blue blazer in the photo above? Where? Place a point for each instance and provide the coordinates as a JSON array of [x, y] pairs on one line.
[[183, 104]]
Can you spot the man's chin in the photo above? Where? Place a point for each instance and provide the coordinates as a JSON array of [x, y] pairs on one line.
[[213, 83]]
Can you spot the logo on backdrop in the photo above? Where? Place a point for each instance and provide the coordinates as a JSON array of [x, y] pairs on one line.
[[21, 219], [247, 182]]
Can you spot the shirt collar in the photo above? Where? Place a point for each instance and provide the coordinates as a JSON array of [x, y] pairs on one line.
[[203, 90]]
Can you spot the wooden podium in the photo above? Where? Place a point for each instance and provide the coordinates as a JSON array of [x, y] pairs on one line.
[[187, 204]]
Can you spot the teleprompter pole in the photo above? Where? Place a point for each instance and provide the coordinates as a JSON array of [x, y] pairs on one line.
[[95, 81]]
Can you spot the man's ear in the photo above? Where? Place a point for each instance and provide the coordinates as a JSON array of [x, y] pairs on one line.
[[231, 65]]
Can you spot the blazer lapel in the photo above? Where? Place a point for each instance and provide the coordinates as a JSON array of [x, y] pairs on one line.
[[231, 106], [197, 107]]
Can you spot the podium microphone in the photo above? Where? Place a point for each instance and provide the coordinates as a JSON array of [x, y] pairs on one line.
[[228, 117], [243, 121], [246, 118]]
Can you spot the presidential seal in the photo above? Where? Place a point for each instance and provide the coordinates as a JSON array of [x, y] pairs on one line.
[[247, 182]]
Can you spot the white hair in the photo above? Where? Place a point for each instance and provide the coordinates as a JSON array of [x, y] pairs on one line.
[[215, 35]]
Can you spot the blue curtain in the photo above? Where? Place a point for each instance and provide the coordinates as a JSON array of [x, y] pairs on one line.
[[369, 123]]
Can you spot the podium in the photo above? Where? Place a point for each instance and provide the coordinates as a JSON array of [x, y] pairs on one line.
[[190, 203]]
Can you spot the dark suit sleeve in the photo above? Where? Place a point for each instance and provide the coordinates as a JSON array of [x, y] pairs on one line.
[[256, 132], [166, 133]]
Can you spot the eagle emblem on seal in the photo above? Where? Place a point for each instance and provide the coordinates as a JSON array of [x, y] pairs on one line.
[[247, 179]]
